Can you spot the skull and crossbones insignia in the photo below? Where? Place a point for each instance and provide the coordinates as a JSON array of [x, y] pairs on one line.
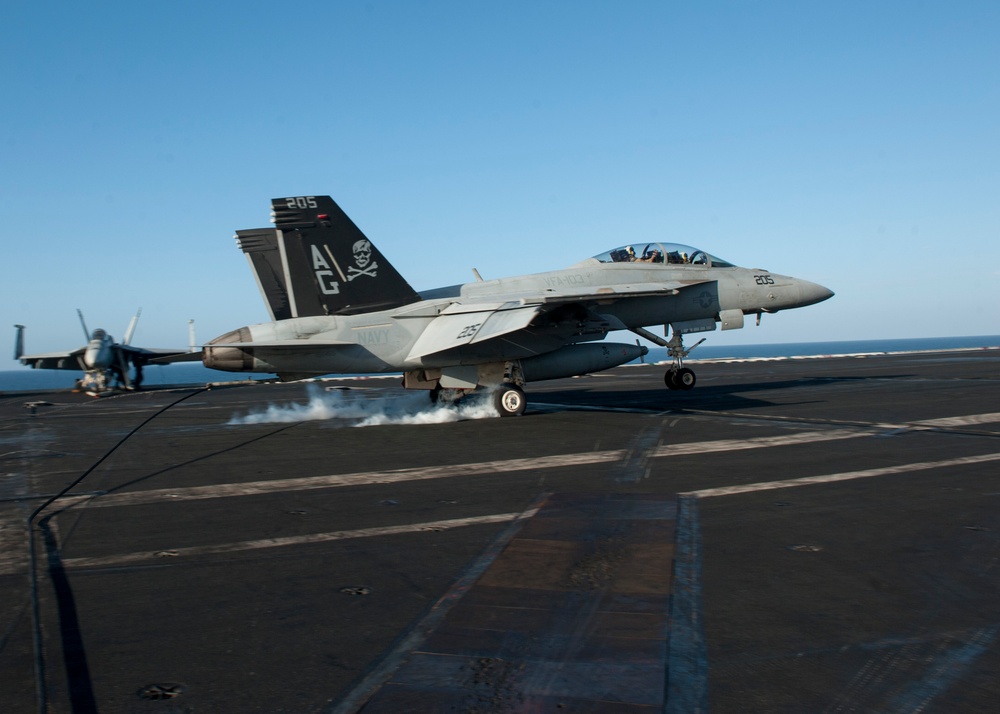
[[363, 260]]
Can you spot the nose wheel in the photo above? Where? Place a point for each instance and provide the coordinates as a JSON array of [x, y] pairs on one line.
[[679, 378]]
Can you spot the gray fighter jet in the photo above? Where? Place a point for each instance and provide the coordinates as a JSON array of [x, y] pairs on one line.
[[102, 360], [338, 306]]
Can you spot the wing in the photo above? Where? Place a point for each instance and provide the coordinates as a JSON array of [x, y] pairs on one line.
[[55, 360], [548, 319]]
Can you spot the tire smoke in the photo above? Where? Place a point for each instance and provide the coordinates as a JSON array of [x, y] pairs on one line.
[[370, 408]]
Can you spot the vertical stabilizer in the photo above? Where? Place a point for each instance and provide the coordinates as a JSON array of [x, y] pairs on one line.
[[83, 323], [127, 340], [261, 248], [330, 267]]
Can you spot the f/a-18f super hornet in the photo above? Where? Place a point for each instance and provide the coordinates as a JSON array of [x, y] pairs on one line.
[[102, 360], [338, 306]]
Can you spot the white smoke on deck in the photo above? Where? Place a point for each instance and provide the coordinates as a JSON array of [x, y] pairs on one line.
[[398, 408]]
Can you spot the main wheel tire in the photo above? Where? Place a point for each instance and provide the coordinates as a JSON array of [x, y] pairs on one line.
[[685, 378], [670, 379], [509, 400]]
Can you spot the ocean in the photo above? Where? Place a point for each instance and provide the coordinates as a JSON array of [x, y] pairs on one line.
[[27, 380]]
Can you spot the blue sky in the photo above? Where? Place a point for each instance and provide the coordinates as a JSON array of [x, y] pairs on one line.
[[855, 144]]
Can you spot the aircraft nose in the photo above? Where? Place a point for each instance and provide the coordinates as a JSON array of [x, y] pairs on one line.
[[812, 293]]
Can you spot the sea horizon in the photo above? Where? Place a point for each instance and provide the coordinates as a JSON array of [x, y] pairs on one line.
[[27, 379]]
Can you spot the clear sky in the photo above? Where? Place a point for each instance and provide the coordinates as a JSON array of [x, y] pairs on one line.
[[855, 144]]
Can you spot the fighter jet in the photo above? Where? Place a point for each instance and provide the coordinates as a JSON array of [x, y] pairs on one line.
[[338, 306], [104, 362]]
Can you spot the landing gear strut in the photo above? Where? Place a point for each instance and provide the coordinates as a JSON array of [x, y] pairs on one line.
[[678, 376]]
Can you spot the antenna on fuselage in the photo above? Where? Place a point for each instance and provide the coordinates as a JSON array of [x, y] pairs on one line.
[[191, 342], [478, 276]]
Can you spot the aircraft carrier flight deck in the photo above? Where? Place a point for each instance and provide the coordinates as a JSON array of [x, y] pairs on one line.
[[814, 535]]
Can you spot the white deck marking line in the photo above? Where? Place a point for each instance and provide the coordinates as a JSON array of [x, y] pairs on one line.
[[763, 442], [846, 476], [251, 488], [168, 555], [970, 420]]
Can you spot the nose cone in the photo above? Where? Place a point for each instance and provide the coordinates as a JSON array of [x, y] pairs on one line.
[[97, 355], [812, 293]]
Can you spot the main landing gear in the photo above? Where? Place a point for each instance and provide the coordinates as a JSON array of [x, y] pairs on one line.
[[508, 398]]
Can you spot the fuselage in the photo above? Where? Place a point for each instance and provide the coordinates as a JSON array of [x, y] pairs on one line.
[[99, 353], [639, 294]]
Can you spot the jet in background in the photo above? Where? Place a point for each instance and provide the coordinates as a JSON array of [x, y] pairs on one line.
[[338, 306], [103, 361]]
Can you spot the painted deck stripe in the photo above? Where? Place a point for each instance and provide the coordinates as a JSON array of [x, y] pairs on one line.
[[250, 488], [944, 670], [365, 478], [148, 557], [687, 656], [762, 442], [845, 476], [969, 420], [572, 614]]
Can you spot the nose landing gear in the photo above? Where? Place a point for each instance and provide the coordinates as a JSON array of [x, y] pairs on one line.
[[678, 376]]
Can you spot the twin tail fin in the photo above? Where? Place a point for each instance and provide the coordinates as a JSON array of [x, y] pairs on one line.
[[315, 261]]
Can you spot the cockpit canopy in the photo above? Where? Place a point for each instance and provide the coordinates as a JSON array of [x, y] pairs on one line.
[[665, 253]]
